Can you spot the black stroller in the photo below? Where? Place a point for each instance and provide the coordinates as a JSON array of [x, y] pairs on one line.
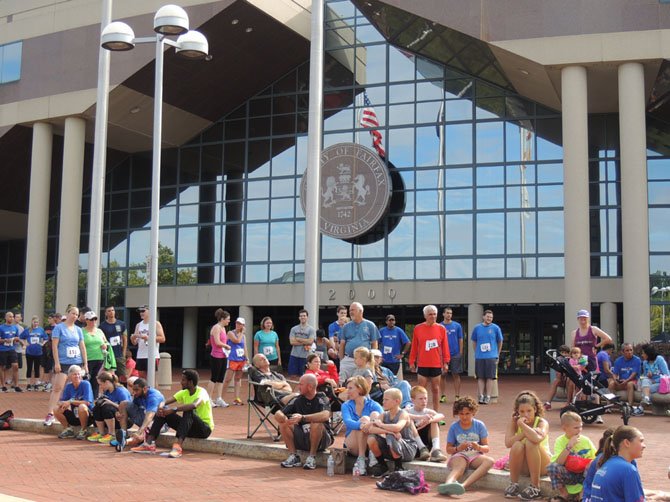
[[588, 386]]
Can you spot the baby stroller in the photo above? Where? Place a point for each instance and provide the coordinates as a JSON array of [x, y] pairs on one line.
[[588, 385]]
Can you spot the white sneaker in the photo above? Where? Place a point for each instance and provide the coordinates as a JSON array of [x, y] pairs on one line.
[[599, 420], [220, 403], [645, 401], [361, 466], [310, 463]]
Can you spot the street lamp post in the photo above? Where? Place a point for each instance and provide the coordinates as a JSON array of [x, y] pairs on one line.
[[170, 20], [662, 290]]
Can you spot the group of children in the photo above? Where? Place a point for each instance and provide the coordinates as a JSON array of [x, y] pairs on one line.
[[606, 473]]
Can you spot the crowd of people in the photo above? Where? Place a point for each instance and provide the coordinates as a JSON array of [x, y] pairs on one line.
[[100, 393]]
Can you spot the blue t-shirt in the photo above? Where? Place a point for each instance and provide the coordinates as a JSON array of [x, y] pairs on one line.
[[81, 393], [8, 331], [474, 434], [119, 394], [602, 358], [114, 334], [267, 344], [352, 419], [617, 481], [391, 343], [487, 338], [590, 473], [68, 343], [624, 368], [35, 338], [454, 336], [657, 368], [360, 334], [334, 330], [149, 402]]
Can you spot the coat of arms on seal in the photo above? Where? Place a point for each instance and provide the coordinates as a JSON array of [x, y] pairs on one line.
[[355, 190]]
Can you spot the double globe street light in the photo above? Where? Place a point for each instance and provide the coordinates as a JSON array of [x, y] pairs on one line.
[[169, 21], [662, 290]]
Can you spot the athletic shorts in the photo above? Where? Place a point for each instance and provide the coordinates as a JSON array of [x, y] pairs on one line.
[[73, 419], [7, 358], [468, 458], [236, 365], [142, 365], [456, 365], [429, 372], [296, 365], [301, 438], [486, 368]]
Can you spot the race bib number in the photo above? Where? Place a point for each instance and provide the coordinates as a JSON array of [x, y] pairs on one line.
[[431, 344], [75, 410], [306, 428], [34, 340], [72, 352], [388, 350], [114, 341], [267, 350], [239, 352], [485, 347]]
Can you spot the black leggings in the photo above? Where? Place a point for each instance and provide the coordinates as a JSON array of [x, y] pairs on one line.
[[33, 366], [93, 369], [189, 425]]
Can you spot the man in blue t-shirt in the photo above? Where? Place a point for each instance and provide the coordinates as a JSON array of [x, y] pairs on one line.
[[9, 335], [394, 344], [116, 333], [455, 339], [487, 341], [140, 411], [358, 332], [626, 369]]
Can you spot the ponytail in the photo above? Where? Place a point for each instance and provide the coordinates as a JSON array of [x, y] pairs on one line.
[[608, 451], [612, 443]]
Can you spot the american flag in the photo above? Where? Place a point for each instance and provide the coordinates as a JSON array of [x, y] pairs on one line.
[[368, 120]]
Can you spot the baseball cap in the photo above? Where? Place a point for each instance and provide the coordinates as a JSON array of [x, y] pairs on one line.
[[142, 307], [583, 313], [390, 316], [241, 320], [376, 352], [90, 315]]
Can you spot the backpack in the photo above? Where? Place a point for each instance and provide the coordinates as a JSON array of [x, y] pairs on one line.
[[5, 420], [404, 481], [664, 384]]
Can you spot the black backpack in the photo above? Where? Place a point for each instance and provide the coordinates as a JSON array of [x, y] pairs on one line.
[[5, 420]]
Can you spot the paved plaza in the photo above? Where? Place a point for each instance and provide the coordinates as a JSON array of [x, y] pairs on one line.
[[42, 467]]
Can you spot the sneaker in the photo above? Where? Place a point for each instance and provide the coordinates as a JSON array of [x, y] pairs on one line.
[[113, 443], [530, 493], [144, 448], [164, 429], [547, 406], [310, 463], [49, 420], [443, 399], [360, 462], [645, 401], [220, 403], [29, 388], [437, 455], [66, 433], [176, 451], [134, 441], [487, 399], [379, 470], [512, 490], [18, 389], [94, 438], [81, 435], [599, 420], [451, 489], [293, 460], [637, 411], [120, 439], [48, 387], [238, 402], [481, 399], [106, 439], [424, 454]]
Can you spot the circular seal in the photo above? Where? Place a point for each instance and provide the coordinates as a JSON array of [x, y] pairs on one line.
[[355, 190]]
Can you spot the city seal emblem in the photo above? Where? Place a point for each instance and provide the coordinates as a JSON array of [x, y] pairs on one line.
[[355, 190]]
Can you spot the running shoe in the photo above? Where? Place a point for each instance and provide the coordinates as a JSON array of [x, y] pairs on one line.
[[424, 454], [49, 420], [120, 439], [176, 451], [238, 402], [94, 438], [512, 490], [81, 435], [443, 398], [437, 455], [220, 403], [379, 470], [530, 493], [293, 460], [637, 411], [310, 463], [144, 448], [18, 389], [106, 439], [66, 434]]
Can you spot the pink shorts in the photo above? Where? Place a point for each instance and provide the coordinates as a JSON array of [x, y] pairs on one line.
[[468, 458]]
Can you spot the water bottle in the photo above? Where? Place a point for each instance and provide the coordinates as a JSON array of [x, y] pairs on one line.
[[330, 468], [356, 472]]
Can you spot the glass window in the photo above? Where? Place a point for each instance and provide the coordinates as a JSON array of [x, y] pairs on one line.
[[401, 240], [458, 200], [490, 233], [336, 272], [138, 247], [490, 198], [258, 189], [369, 270], [658, 169], [428, 147], [373, 250], [490, 146], [258, 209], [281, 238], [188, 215], [429, 91], [366, 34], [550, 196], [283, 188], [10, 62], [257, 242], [550, 267], [521, 233], [549, 139], [167, 216], [427, 269], [401, 65], [659, 237], [282, 208], [400, 147], [457, 110], [256, 273], [521, 267], [117, 254], [187, 252], [458, 268], [458, 145], [283, 162], [490, 268], [550, 173], [550, 232], [659, 192], [458, 235], [400, 115], [400, 270], [521, 196], [373, 70], [490, 175], [459, 177], [282, 273], [427, 178], [427, 236], [342, 119], [428, 201]]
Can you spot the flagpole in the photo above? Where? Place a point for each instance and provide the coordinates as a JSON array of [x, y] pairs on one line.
[[440, 189]]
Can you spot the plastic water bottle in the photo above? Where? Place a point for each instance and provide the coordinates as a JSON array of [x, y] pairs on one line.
[[356, 472], [330, 467]]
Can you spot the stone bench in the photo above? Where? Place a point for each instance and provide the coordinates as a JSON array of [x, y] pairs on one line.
[[660, 403]]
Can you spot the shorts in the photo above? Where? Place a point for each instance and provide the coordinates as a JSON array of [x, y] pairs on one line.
[[468, 458], [296, 365], [64, 368], [135, 414], [73, 419], [236, 365], [218, 365], [142, 365], [301, 439], [429, 372], [405, 448], [7, 358], [456, 365], [486, 368]]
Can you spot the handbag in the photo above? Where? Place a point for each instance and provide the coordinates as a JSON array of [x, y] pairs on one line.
[[664, 385]]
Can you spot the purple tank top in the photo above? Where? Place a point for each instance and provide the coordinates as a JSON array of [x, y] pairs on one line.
[[587, 344]]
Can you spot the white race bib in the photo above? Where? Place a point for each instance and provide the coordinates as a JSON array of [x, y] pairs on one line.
[[306, 428], [485, 347], [431, 344], [34, 340], [388, 350], [268, 350], [115, 340], [239, 352], [226, 351], [72, 352]]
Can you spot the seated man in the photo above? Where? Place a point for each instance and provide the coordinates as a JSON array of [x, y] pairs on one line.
[[304, 424], [196, 420], [141, 411], [626, 371], [74, 407], [263, 376]]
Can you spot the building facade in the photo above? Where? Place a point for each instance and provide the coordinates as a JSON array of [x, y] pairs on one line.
[[527, 148]]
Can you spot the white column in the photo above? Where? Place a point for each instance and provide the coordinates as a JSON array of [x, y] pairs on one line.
[[190, 337], [38, 220], [608, 319], [575, 192], [634, 208], [475, 313], [248, 314], [70, 213]]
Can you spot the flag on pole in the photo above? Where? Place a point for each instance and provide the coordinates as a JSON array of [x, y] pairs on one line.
[[369, 120]]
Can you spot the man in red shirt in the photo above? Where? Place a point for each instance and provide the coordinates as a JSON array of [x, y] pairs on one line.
[[429, 355]]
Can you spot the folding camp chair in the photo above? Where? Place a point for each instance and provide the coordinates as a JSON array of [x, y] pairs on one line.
[[264, 403]]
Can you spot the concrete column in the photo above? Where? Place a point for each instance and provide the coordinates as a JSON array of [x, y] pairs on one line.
[[190, 337], [248, 314], [575, 193], [608, 319], [634, 209], [475, 313], [70, 213], [38, 220]]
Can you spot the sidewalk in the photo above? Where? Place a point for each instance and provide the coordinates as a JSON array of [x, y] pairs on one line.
[[231, 423]]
